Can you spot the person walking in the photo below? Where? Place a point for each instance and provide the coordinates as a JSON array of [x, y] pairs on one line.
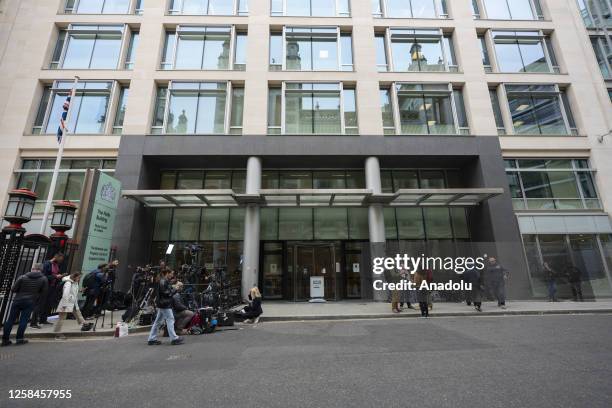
[[52, 271], [550, 276], [182, 315], [69, 303], [28, 289], [405, 293], [574, 277], [163, 302], [474, 277], [420, 277], [496, 277]]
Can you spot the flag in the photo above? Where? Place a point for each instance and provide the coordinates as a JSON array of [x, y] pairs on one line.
[[62, 125]]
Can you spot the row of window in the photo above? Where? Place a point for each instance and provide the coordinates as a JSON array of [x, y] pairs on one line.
[[552, 184], [81, 46], [307, 108], [491, 9]]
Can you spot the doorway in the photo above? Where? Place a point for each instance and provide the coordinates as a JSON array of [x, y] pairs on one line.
[[313, 259]]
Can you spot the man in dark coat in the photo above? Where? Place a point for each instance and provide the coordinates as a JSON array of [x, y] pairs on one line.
[[495, 277], [52, 271], [28, 289]]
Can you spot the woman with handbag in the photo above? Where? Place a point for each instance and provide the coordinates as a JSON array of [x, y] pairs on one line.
[[69, 304]]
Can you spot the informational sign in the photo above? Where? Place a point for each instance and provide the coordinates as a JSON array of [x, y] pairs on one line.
[[317, 287], [356, 267], [101, 222]]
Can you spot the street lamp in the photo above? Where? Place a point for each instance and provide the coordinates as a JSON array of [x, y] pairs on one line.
[[19, 208], [61, 221], [18, 212]]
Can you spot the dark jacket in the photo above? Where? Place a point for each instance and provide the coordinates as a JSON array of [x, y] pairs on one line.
[[53, 279], [31, 286], [255, 307], [496, 272], [96, 283], [163, 298], [177, 303]]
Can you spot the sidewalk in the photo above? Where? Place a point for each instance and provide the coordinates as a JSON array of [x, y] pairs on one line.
[[280, 311]]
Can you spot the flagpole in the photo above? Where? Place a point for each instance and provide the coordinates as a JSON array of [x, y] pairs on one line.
[[58, 161]]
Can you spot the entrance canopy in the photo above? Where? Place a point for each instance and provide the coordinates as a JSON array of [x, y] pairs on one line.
[[445, 197]]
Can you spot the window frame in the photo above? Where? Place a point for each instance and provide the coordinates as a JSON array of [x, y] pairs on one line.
[[439, 6], [571, 130], [171, 65], [450, 92], [536, 11], [341, 88], [338, 35], [64, 36], [227, 128], [574, 168], [283, 12], [445, 40], [134, 7], [236, 9], [544, 40], [50, 91]]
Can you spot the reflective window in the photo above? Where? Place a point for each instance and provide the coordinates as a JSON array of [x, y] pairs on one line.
[[409, 8], [209, 7], [595, 13], [99, 6], [603, 54], [424, 109], [551, 184], [121, 107], [311, 49], [416, 50], [206, 48], [310, 8], [521, 51], [513, 9], [88, 111], [539, 110], [198, 108], [313, 108], [90, 47]]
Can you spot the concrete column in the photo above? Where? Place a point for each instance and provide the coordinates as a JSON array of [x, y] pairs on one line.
[[250, 260], [376, 223]]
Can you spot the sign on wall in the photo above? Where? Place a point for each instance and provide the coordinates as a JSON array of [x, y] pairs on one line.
[[101, 221]]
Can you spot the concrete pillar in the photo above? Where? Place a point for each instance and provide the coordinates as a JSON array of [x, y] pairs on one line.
[[376, 222], [250, 260]]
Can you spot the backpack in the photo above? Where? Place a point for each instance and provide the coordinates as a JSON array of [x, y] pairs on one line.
[[89, 280]]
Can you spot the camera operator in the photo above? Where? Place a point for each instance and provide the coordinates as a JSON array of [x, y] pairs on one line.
[[163, 302], [182, 314], [92, 286]]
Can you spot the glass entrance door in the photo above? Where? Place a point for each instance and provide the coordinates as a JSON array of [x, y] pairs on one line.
[[314, 260]]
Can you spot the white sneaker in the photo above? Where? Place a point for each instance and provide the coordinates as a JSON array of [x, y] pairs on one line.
[[248, 321], [256, 320]]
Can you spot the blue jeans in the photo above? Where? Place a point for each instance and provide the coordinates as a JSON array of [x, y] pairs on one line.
[[23, 307], [163, 315]]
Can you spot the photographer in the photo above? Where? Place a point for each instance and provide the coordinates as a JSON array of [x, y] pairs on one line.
[[182, 315], [163, 301], [92, 285]]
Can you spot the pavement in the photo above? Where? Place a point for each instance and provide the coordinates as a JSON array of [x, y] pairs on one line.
[[535, 361], [304, 311]]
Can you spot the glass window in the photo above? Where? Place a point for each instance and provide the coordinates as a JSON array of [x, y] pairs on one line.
[[276, 51], [512, 9], [218, 180], [163, 220], [215, 224], [536, 110], [274, 110], [310, 8], [89, 47], [295, 180], [437, 223], [313, 49], [201, 48], [381, 53], [88, 110], [358, 223], [295, 224], [236, 225], [520, 52], [410, 8], [97, 6], [330, 223], [129, 59], [410, 223], [316, 108], [209, 7], [329, 180], [120, 115], [189, 180], [185, 224], [603, 54], [199, 108], [420, 50]]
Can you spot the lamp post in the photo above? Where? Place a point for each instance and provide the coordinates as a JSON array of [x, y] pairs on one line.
[[18, 212], [63, 217]]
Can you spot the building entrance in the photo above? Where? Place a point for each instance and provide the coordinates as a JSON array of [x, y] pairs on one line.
[[315, 260]]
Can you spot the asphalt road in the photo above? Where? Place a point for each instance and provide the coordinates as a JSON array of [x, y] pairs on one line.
[[505, 361]]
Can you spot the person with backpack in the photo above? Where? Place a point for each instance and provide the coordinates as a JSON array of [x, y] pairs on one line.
[[52, 270], [69, 304], [28, 289], [92, 284], [182, 314], [163, 301]]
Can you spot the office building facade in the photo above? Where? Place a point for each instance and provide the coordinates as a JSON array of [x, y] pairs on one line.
[[299, 138]]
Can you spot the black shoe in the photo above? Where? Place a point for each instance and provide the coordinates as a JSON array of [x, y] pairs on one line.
[[21, 341], [154, 342], [468, 303], [478, 309], [35, 326], [177, 341], [6, 343]]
